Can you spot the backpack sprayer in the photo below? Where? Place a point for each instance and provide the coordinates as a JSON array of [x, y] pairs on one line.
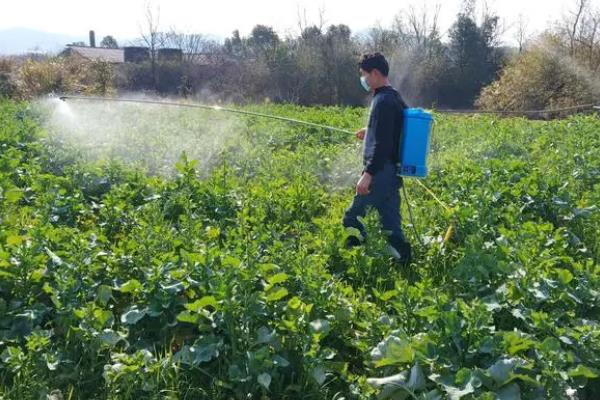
[[412, 152], [412, 155]]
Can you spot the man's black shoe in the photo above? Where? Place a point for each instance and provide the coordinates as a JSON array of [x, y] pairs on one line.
[[401, 251], [352, 241]]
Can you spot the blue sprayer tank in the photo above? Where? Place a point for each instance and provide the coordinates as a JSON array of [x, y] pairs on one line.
[[414, 143]]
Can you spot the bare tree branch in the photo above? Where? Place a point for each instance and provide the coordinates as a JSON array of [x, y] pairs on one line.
[[577, 15], [192, 45], [151, 36], [420, 27], [521, 32]]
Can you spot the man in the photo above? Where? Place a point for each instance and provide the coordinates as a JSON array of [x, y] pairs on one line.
[[379, 185]]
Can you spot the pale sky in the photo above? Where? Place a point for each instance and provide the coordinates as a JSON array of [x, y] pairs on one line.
[[122, 18]]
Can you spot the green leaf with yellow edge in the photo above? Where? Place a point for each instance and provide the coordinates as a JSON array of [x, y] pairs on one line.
[[583, 371], [206, 301], [277, 294]]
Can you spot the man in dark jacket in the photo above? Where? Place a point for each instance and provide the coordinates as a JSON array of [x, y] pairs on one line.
[[379, 185]]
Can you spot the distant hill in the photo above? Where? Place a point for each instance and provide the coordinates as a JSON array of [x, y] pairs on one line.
[[23, 40]]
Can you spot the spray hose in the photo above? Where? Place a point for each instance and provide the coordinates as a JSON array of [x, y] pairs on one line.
[[450, 230], [207, 107], [447, 208]]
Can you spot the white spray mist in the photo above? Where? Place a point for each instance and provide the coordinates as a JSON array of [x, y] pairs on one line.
[[150, 135]]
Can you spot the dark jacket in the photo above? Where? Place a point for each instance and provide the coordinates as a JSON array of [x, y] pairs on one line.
[[384, 129]]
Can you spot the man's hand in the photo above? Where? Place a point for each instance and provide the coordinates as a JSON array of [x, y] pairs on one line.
[[360, 134], [362, 187]]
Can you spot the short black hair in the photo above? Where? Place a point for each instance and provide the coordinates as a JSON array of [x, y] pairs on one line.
[[377, 61]]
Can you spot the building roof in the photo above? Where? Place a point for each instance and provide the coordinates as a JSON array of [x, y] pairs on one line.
[[99, 53], [117, 56]]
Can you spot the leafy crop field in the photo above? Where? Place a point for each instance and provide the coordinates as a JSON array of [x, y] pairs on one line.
[[223, 275]]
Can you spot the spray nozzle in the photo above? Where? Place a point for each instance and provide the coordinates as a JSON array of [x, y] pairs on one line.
[[53, 95]]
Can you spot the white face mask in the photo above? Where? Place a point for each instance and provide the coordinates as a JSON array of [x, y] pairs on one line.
[[365, 84]]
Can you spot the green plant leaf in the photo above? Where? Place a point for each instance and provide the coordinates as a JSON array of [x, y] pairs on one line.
[[264, 379], [502, 369], [393, 350], [188, 317], [203, 350], [509, 392], [206, 301], [133, 316], [319, 375], [277, 295], [265, 335], [583, 371], [109, 337], [321, 326], [131, 286]]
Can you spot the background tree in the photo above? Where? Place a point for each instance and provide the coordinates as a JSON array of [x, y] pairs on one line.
[[109, 42], [419, 58], [559, 69], [521, 32], [152, 37], [474, 58]]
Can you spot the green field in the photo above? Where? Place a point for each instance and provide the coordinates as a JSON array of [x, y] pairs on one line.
[[128, 272]]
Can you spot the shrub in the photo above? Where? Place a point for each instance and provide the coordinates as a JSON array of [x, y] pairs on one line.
[[543, 77]]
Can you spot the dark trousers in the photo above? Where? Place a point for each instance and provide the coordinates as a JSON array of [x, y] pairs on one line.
[[384, 196]]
